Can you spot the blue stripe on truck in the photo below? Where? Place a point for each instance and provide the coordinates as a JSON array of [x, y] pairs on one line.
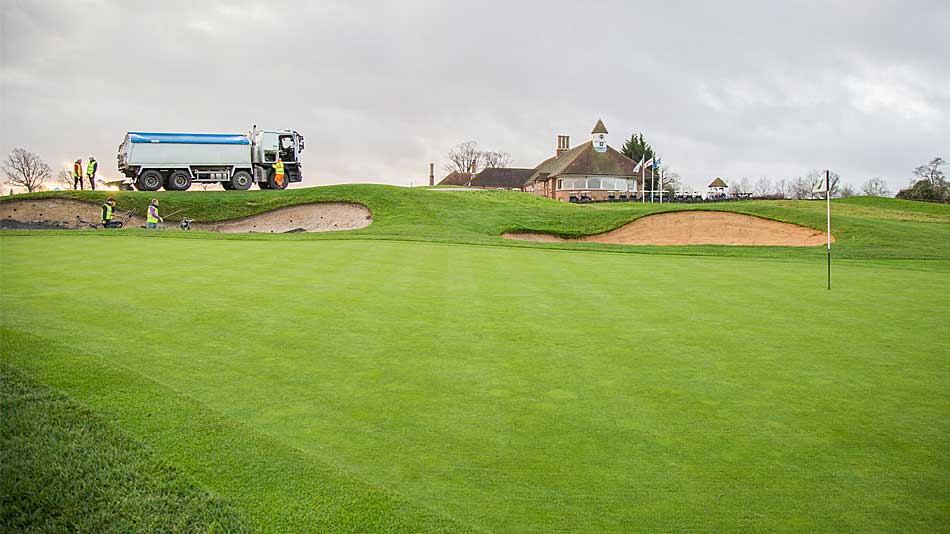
[[189, 138]]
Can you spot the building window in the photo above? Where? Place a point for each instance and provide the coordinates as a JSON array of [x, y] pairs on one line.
[[560, 184]]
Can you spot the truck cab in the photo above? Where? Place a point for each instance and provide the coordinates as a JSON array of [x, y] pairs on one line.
[[268, 146]]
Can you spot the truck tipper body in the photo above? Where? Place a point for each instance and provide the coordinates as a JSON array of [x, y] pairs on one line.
[[152, 160]]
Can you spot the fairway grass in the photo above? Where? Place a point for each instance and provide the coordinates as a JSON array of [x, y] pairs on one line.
[[366, 385]]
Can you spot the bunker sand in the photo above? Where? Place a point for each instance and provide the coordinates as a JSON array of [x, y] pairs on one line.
[[696, 228], [52, 213]]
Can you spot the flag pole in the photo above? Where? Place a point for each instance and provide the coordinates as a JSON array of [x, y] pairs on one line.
[[828, 203], [643, 182]]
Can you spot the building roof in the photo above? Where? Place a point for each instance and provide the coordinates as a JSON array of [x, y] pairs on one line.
[[583, 159], [502, 177], [599, 127], [456, 178], [718, 183]]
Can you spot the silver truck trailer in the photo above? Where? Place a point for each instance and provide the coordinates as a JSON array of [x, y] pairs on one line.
[[174, 161]]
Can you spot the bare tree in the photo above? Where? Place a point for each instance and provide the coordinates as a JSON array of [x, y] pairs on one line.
[[64, 178], [492, 159], [741, 186], [800, 188], [846, 190], [762, 187], [26, 169], [464, 157], [782, 188], [875, 187]]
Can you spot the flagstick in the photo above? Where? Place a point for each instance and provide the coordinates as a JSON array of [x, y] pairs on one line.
[[828, 202]]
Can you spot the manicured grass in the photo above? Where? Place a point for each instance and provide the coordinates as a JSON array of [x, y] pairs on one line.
[[865, 228], [64, 468], [384, 386]]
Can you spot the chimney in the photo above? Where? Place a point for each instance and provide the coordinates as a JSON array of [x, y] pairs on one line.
[[431, 174], [563, 144]]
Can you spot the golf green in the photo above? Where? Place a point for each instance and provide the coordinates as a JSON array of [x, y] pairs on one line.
[[383, 385]]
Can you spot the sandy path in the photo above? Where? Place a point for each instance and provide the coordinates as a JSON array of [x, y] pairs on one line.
[[317, 217], [697, 228]]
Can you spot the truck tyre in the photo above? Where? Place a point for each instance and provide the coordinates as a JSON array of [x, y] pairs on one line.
[[272, 181], [178, 181], [263, 185], [227, 186], [241, 181], [149, 181]]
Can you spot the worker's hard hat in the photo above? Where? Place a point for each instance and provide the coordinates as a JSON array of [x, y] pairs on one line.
[[90, 157]]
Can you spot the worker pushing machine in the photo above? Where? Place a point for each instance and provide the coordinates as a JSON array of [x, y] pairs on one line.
[[152, 218], [279, 172], [91, 172], [77, 175], [108, 215]]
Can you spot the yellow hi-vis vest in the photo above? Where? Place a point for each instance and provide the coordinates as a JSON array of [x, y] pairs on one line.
[[77, 170], [91, 169], [107, 212], [279, 167], [152, 215]]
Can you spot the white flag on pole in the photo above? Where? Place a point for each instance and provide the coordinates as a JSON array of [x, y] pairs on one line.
[[639, 165]]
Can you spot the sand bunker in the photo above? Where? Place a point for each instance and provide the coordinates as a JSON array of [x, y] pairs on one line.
[[51, 213], [697, 228], [320, 217]]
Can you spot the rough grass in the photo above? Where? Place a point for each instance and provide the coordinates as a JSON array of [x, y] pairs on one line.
[[64, 468]]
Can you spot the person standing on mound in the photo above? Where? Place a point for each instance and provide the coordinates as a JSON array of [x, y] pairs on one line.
[[152, 218]]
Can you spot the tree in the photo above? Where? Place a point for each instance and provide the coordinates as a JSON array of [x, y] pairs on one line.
[[636, 148], [932, 173], [782, 188], [64, 178], [493, 159], [670, 182], [742, 186], [762, 187], [846, 190], [26, 169], [800, 188], [875, 187], [921, 190], [464, 157]]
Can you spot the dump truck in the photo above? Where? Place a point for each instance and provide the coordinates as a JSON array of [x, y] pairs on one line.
[[152, 160]]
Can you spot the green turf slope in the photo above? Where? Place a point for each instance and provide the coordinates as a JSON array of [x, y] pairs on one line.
[[64, 468], [370, 385], [864, 227]]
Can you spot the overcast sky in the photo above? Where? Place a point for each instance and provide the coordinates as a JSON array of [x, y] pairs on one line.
[[380, 89]]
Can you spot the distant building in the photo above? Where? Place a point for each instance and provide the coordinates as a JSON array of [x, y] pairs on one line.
[[593, 170], [503, 178], [457, 178]]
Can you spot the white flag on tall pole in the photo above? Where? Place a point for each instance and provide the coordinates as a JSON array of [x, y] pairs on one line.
[[639, 165]]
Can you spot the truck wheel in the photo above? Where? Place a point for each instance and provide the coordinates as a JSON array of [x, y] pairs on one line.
[[263, 185], [272, 181], [149, 181], [227, 186], [241, 181], [178, 181]]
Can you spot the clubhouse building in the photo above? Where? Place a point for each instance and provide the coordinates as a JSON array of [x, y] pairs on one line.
[[592, 170]]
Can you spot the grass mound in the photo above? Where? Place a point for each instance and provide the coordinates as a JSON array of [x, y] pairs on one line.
[[864, 227]]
